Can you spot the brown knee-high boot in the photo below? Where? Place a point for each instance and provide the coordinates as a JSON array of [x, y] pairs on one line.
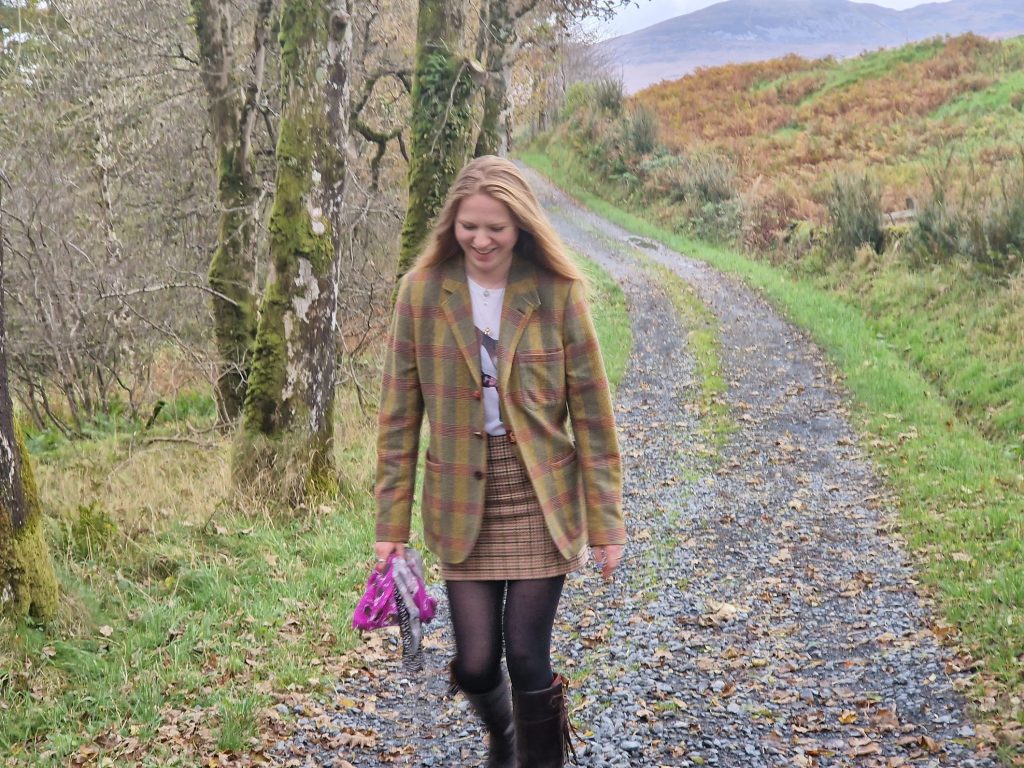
[[543, 731], [494, 708]]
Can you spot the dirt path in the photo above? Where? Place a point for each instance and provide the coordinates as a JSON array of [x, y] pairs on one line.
[[765, 615]]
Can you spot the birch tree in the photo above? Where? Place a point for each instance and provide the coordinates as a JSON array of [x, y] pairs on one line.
[[285, 443], [495, 46], [232, 108], [28, 585]]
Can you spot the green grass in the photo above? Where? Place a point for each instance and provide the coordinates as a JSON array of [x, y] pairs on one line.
[[878, 64], [179, 606], [838, 76], [608, 309], [987, 121], [945, 322], [705, 344], [996, 98], [250, 605], [238, 718], [187, 410], [959, 491]]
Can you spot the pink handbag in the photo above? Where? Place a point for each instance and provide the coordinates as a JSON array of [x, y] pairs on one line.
[[379, 605], [397, 595]]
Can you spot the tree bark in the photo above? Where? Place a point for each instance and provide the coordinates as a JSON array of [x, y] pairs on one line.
[[232, 272], [444, 82], [28, 585], [286, 440], [497, 35]]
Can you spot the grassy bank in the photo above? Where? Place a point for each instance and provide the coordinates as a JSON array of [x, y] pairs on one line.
[[959, 486], [187, 612], [608, 308]]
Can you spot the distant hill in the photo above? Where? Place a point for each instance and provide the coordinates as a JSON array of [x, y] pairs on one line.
[[755, 30]]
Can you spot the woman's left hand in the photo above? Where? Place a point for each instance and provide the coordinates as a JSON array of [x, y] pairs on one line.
[[607, 558]]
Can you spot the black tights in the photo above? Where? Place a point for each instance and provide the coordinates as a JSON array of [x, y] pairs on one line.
[[526, 622]]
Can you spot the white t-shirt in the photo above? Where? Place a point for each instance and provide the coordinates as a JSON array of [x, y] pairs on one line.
[[487, 319]]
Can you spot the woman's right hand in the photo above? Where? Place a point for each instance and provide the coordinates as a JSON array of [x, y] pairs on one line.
[[384, 549]]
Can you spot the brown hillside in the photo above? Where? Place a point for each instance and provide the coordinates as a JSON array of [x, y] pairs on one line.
[[945, 106]]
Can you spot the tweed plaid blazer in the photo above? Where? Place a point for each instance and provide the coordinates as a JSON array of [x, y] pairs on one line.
[[550, 373]]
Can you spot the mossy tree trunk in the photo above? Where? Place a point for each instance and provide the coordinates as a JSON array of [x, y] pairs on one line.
[[497, 37], [28, 585], [284, 449], [232, 109], [444, 83]]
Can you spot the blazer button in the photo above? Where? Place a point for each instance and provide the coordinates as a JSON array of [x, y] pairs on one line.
[[512, 437], [478, 475], [478, 435]]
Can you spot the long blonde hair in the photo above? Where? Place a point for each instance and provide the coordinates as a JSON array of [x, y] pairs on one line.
[[500, 179]]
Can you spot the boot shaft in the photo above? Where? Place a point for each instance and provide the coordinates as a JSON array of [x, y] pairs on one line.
[[543, 730], [494, 708]]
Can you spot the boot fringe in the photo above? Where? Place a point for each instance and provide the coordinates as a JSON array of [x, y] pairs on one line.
[[453, 684], [568, 729], [568, 750]]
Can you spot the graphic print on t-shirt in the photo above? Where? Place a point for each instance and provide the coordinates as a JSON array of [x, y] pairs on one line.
[[488, 373], [487, 304]]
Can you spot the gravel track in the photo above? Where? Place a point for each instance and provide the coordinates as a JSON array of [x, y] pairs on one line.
[[765, 614]]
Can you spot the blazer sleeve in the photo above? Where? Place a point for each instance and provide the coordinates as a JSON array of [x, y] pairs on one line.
[[593, 423], [398, 423]]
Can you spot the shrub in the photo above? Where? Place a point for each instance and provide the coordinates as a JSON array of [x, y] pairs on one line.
[[91, 531], [936, 232], [712, 176], [698, 177], [577, 97], [994, 232], [641, 129], [608, 95], [767, 214], [987, 231], [855, 214], [721, 221]]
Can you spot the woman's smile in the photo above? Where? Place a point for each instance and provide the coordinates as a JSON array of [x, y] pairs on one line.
[[487, 233]]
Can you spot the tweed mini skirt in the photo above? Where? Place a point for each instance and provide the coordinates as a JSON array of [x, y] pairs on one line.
[[514, 542]]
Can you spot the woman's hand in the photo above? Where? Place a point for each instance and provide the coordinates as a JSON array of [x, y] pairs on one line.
[[384, 549], [607, 558]]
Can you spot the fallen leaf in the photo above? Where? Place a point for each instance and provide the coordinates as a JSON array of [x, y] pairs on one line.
[[719, 613], [863, 747]]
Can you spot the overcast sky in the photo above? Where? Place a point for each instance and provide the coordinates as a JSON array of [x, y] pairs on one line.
[[652, 11]]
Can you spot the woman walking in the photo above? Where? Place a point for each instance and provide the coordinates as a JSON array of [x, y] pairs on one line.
[[493, 342]]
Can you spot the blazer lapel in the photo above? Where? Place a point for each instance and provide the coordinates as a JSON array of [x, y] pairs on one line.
[[520, 300], [458, 310]]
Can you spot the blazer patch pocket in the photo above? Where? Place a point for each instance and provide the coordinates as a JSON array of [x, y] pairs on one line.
[[541, 376]]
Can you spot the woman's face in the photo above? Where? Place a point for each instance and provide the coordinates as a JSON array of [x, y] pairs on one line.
[[487, 233]]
